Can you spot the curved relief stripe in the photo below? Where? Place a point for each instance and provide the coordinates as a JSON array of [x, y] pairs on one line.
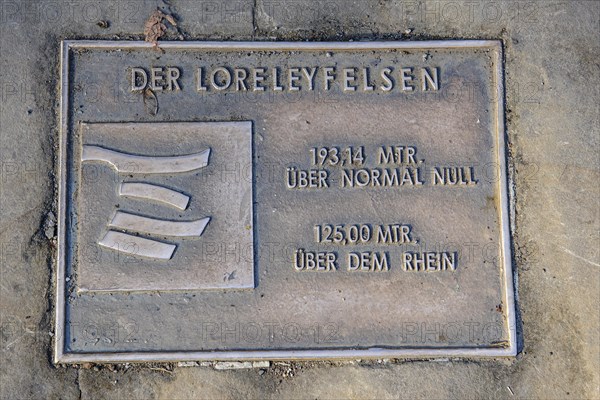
[[132, 222], [137, 246], [129, 163], [154, 192]]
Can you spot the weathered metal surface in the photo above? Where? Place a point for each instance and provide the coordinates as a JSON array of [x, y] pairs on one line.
[[356, 192]]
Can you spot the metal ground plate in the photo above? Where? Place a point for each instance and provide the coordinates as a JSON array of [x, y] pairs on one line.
[[245, 200]]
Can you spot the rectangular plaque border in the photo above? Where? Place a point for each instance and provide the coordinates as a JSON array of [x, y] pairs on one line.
[[60, 356]]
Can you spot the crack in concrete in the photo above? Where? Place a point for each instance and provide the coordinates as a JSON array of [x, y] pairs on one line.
[[78, 383], [254, 24]]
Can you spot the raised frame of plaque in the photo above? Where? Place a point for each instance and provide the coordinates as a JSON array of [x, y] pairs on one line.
[[282, 200]]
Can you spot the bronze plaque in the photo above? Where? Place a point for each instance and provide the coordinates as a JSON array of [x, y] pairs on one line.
[[245, 200]]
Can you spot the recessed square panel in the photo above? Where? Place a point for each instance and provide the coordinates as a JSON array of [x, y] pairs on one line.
[[156, 206], [242, 200]]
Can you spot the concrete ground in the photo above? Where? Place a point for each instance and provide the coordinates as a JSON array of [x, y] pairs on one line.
[[552, 83]]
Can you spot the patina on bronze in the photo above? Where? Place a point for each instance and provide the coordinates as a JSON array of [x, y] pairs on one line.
[[241, 200]]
